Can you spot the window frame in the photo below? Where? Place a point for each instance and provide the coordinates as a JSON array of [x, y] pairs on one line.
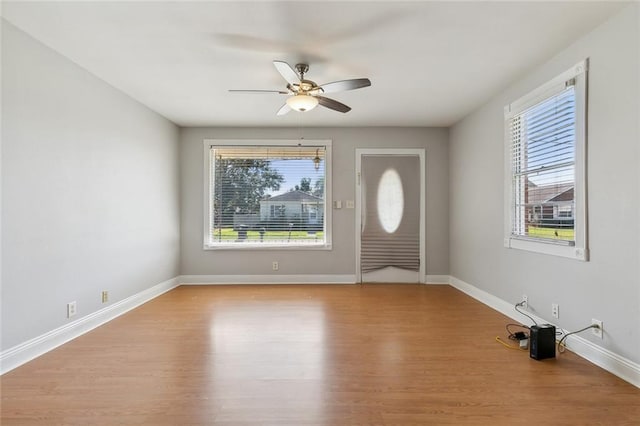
[[579, 249], [208, 182]]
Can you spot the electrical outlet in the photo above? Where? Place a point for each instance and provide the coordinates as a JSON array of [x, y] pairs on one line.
[[597, 331], [275, 266], [71, 309], [525, 301], [105, 296], [555, 310]]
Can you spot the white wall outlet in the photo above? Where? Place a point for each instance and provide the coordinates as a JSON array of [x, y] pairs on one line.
[[350, 204], [71, 309], [597, 331], [525, 301], [555, 310], [105, 296], [275, 266]]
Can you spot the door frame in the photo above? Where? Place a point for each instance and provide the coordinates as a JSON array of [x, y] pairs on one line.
[[420, 153]]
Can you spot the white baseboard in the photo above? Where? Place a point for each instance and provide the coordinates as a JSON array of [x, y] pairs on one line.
[[603, 358], [288, 279], [436, 279], [267, 279], [25, 352]]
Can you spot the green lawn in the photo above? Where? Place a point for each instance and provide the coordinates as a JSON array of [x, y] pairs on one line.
[[229, 234], [553, 233]]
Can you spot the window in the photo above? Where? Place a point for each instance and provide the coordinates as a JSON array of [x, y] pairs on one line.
[[390, 200], [267, 194], [545, 192]]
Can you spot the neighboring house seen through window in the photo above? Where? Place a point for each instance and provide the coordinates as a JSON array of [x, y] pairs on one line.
[[545, 197], [264, 194]]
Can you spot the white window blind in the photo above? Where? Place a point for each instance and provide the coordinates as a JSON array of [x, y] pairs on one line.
[[390, 233], [266, 196], [543, 168]]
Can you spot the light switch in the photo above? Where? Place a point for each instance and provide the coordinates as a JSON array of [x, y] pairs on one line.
[[337, 204], [350, 204]]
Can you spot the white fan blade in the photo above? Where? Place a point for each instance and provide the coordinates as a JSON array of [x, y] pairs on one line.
[[284, 110], [287, 72], [342, 85], [259, 92]]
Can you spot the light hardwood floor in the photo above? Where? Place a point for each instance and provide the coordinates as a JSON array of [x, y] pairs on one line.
[[310, 355]]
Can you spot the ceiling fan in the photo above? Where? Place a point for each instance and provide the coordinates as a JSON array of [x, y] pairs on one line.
[[305, 94]]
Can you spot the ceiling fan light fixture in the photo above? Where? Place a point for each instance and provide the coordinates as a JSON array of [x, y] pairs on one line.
[[302, 103]]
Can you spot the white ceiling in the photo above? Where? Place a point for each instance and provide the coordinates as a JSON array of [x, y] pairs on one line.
[[430, 63]]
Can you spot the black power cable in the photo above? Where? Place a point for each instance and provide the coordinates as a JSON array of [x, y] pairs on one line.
[[517, 335], [561, 345], [523, 313]]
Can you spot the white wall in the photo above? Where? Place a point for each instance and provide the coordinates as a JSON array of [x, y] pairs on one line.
[[608, 286], [89, 191], [341, 259]]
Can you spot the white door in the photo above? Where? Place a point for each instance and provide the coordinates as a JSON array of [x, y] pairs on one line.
[[390, 215]]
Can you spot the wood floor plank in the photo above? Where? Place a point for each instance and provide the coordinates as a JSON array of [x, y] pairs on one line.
[[310, 355]]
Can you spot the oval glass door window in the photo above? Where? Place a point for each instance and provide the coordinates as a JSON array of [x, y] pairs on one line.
[[390, 200]]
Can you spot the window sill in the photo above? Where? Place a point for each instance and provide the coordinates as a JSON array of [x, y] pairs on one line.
[[266, 246], [553, 249]]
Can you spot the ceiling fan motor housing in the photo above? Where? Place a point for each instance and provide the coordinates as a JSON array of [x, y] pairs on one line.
[[302, 69]]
